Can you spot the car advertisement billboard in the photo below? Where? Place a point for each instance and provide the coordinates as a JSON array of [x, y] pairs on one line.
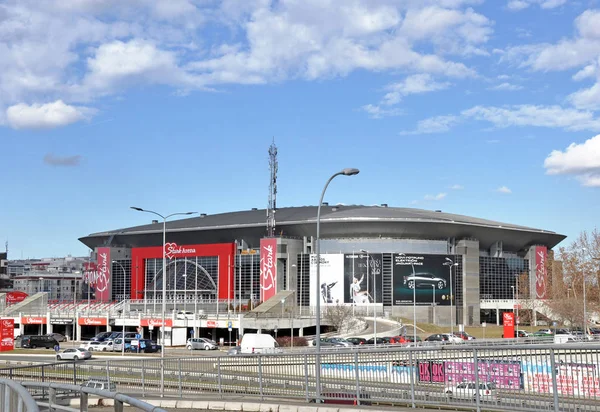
[[423, 279], [331, 289], [362, 278]]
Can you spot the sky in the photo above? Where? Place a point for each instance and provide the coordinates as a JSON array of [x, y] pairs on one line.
[[482, 108]]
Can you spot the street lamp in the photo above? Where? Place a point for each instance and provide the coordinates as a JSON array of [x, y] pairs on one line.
[[345, 172], [122, 308], [450, 263], [374, 299], [433, 303], [164, 286]]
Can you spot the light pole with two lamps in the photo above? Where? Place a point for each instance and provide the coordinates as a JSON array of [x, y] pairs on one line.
[[345, 172], [164, 286], [122, 308], [450, 263]]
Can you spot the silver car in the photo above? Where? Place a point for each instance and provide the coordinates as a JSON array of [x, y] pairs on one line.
[[201, 343], [74, 354], [424, 280]]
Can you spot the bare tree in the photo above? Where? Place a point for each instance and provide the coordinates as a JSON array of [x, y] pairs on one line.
[[338, 315]]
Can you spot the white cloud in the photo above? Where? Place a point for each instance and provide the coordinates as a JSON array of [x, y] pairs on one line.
[[538, 116], [504, 190], [415, 84], [587, 98], [376, 112], [45, 116], [437, 124], [439, 196], [517, 5], [579, 160], [457, 187], [506, 87], [587, 72]]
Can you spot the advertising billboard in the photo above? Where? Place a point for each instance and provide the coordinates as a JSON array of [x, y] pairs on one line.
[[423, 279], [331, 289], [362, 277], [268, 268], [541, 272], [15, 297], [7, 335], [98, 275]]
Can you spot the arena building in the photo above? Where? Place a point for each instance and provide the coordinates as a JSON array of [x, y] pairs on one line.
[[442, 266]]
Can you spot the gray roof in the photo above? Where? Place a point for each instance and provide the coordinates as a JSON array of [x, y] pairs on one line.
[[337, 221]]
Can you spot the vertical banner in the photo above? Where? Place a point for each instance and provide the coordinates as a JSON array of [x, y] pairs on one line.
[[363, 280], [541, 272], [98, 275], [268, 268], [508, 320], [7, 335], [332, 287]]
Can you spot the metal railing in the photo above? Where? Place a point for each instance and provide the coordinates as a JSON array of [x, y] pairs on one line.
[[525, 377], [14, 397]]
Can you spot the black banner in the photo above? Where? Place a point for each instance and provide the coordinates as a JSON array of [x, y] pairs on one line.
[[422, 279]]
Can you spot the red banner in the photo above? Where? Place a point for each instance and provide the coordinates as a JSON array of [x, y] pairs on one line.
[[92, 321], [541, 272], [508, 320], [212, 324], [156, 322], [15, 297], [7, 335], [98, 274], [33, 320], [268, 268]]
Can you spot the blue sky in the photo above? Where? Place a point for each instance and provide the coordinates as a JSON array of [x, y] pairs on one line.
[[483, 108]]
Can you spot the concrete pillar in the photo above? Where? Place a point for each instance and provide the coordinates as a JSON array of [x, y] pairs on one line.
[[78, 326], [469, 249], [497, 316], [49, 326]]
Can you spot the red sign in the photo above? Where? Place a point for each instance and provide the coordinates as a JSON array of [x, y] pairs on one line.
[[541, 272], [174, 250], [508, 320], [93, 321], [98, 274], [33, 320], [156, 322], [212, 324], [15, 297], [7, 335], [268, 268]]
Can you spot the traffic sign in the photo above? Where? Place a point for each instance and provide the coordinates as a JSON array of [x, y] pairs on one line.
[[138, 336], [230, 324]]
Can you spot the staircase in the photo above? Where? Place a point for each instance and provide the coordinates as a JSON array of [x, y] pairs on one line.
[[274, 305]]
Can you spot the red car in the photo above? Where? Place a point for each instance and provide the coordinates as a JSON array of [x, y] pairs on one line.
[[398, 340], [464, 335]]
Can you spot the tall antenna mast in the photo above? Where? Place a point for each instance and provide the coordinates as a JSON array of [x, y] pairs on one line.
[[273, 166]]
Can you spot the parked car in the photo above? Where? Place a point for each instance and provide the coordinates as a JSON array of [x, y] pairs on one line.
[[545, 332], [521, 333], [424, 280], [357, 341], [58, 337], [38, 341], [102, 336], [91, 346], [328, 342], [380, 341], [201, 343], [118, 344], [438, 337], [468, 391], [185, 314], [145, 346], [398, 340], [74, 354], [452, 338], [103, 384], [342, 341], [105, 346], [464, 335]]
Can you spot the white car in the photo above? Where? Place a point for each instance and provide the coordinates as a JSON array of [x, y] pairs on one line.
[[185, 314], [106, 346], [468, 391], [91, 346], [453, 338], [73, 354]]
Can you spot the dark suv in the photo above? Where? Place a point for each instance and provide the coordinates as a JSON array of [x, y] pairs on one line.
[[37, 341]]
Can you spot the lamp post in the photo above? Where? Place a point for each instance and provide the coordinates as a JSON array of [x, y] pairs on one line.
[[433, 303], [584, 295], [122, 308], [345, 172], [374, 299], [164, 287], [450, 263]]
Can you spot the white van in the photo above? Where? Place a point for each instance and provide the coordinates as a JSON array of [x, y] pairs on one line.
[[259, 343]]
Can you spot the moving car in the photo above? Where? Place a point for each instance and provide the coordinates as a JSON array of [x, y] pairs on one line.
[[103, 384], [424, 280], [38, 341], [468, 391], [201, 343], [74, 354]]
